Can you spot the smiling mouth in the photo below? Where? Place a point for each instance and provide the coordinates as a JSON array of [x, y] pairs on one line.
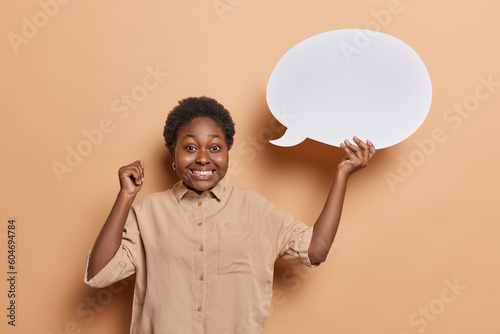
[[202, 172]]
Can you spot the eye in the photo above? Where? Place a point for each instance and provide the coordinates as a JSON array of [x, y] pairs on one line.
[[215, 148], [190, 148]]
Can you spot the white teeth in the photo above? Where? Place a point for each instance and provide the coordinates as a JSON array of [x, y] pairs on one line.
[[202, 172]]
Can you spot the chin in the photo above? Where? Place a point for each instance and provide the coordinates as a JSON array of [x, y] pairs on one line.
[[201, 186]]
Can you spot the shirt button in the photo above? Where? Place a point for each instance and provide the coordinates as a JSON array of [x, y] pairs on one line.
[[199, 203], [199, 223], [201, 248], [200, 278], [198, 309]]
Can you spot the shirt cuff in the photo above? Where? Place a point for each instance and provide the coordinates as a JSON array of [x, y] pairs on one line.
[[304, 248], [109, 274]]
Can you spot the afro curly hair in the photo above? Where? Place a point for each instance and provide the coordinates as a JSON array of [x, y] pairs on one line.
[[193, 107]]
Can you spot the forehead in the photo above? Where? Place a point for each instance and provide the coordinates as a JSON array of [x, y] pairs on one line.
[[201, 127]]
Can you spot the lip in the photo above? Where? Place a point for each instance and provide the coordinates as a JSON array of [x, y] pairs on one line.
[[202, 177]]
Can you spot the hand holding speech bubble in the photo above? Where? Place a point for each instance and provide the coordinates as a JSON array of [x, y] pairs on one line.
[[348, 82]]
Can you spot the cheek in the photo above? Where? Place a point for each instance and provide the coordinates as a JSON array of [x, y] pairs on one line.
[[184, 161], [222, 162]]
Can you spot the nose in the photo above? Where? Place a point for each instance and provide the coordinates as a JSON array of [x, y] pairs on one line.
[[202, 158]]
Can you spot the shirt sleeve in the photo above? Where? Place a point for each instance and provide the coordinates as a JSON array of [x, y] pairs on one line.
[[294, 240], [123, 263], [293, 236]]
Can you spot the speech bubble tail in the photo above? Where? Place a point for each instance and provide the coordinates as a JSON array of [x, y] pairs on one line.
[[288, 139]]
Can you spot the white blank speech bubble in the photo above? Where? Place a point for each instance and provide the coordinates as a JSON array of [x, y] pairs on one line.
[[349, 82]]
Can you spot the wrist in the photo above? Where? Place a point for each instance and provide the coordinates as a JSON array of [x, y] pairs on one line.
[[342, 175], [123, 195]]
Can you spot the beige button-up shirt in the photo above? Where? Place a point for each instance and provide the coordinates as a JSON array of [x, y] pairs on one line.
[[203, 263]]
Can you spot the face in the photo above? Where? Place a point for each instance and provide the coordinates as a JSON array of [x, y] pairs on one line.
[[201, 154]]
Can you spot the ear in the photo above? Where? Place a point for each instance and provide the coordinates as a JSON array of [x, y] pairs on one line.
[[172, 151]]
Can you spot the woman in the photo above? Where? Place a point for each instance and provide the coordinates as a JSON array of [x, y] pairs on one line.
[[203, 253]]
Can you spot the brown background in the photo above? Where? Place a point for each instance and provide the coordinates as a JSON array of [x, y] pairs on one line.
[[400, 244]]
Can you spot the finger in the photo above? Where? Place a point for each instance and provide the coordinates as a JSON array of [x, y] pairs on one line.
[[138, 166], [372, 148], [130, 173], [141, 164], [365, 149], [360, 143], [137, 174], [350, 155], [354, 149], [346, 149], [134, 172]]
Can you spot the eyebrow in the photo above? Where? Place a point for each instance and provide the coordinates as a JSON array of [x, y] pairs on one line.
[[196, 136]]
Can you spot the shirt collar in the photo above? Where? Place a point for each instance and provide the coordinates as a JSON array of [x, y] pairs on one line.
[[181, 191]]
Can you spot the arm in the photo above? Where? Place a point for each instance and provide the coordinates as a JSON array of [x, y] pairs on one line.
[[110, 237], [325, 228]]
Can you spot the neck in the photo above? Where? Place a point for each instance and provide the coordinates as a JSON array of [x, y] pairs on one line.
[[199, 192]]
